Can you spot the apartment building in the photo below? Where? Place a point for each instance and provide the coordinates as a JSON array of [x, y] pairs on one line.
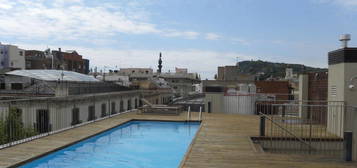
[[11, 57]]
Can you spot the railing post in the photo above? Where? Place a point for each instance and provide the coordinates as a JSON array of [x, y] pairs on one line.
[[262, 126], [200, 116], [188, 113], [347, 145]]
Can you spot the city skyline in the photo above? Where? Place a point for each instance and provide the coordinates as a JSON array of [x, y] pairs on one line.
[[198, 35]]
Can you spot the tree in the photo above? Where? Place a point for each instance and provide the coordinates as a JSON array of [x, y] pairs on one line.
[[12, 129]]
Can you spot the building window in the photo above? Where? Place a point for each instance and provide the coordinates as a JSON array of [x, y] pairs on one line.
[[259, 90], [113, 111], [213, 89], [75, 116], [2, 86], [91, 113], [129, 104], [16, 86], [104, 110], [42, 124], [121, 106], [21, 53], [136, 103]]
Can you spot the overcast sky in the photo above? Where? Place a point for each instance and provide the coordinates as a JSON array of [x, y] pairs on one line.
[[195, 34]]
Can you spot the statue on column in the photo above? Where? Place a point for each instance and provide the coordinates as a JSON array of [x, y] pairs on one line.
[[160, 64]]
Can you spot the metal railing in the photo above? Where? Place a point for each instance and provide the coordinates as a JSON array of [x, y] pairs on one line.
[[27, 119], [288, 135], [304, 127], [194, 116], [189, 113]]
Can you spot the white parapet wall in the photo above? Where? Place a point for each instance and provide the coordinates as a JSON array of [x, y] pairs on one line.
[[57, 112]]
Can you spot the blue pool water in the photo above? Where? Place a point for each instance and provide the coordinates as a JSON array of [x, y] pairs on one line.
[[136, 144]]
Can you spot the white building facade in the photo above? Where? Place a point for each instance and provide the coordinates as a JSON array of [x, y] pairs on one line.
[[11, 57]]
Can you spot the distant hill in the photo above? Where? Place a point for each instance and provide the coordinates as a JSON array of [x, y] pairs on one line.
[[267, 69]]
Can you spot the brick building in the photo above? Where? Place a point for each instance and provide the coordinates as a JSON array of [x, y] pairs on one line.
[[69, 60], [317, 86], [73, 61], [281, 89], [37, 60], [313, 86], [313, 90], [232, 73]]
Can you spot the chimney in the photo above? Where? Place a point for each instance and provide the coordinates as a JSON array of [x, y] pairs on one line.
[[59, 49], [344, 38]]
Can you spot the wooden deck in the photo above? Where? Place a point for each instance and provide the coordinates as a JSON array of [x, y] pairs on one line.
[[223, 141]]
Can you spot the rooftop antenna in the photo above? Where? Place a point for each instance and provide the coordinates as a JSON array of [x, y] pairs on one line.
[[344, 38]]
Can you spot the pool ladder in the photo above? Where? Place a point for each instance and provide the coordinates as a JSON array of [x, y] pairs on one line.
[[189, 114]]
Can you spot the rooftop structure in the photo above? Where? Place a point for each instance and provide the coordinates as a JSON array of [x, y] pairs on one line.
[[313, 86], [232, 73], [69, 60], [53, 83], [344, 39], [54, 75], [181, 81], [280, 89]]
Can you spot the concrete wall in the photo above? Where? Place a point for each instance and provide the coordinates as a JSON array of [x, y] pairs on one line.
[[60, 108], [350, 98], [182, 86], [216, 100], [16, 57], [350, 70], [338, 90], [336, 82], [303, 94], [220, 74], [10, 57], [244, 104]]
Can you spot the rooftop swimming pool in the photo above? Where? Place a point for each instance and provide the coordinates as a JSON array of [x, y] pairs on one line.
[[136, 144]]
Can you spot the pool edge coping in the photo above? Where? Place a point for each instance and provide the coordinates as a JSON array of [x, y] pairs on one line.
[[188, 151]]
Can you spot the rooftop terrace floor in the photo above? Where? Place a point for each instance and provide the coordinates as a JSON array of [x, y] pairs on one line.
[[222, 141]]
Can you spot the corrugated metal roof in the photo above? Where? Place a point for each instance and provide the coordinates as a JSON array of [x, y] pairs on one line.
[[54, 75]]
